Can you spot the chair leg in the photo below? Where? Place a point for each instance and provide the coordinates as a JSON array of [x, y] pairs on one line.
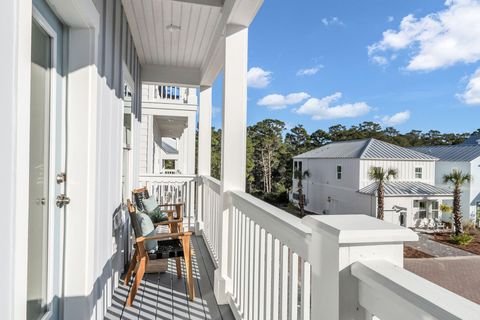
[[190, 283], [137, 281], [178, 264], [131, 267]]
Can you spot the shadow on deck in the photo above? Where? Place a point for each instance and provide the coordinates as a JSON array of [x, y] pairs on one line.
[[163, 295]]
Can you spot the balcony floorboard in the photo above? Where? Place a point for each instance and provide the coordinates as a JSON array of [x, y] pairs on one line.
[[162, 296]]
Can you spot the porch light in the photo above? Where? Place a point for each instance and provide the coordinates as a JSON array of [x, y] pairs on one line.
[[172, 27]]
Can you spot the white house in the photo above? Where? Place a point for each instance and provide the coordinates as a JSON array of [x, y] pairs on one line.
[[71, 80], [466, 158], [339, 181]]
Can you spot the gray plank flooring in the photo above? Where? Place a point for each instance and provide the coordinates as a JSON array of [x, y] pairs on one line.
[[162, 296]]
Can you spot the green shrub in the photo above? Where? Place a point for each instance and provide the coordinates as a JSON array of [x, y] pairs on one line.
[[468, 226], [462, 239]]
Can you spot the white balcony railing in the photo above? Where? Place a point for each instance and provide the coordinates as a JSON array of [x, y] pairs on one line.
[[320, 267], [169, 94], [277, 266], [173, 188]]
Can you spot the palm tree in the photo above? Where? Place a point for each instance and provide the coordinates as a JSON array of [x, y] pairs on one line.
[[380, 176], [458, 179], [299, 175]]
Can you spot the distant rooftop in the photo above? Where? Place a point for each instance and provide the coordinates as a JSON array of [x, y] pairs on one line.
[[364, 149], [407, 188], [474, 140], [459, 152]]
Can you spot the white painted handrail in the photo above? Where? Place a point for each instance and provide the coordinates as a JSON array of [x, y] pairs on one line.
[[391, 292], [270, 272], [169, 94], [210, 215]]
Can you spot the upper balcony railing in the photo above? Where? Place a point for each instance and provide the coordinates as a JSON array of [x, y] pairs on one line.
[[277, 266], [169, 94]]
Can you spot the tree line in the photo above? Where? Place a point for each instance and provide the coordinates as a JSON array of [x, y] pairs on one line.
[[271, 148]]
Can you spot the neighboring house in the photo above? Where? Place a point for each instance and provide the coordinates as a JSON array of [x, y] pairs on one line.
[[466, 158], [339, 181]]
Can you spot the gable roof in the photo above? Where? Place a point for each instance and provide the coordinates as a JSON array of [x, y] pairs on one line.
[[407, 188], [459, 152], [474, 140], [364, 149]]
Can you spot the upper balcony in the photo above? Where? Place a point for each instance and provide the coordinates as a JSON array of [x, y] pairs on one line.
[[169, 94]]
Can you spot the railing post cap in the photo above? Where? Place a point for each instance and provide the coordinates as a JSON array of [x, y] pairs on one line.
[[359, 228]]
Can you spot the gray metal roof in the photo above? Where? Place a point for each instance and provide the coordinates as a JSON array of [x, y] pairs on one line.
[[407, 188], [474, 139], [364, 149], [459, 152]]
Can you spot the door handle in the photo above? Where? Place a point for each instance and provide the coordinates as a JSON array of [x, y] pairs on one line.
[[62, 200]]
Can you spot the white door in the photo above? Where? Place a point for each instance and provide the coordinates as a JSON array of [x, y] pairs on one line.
[[46, 157]]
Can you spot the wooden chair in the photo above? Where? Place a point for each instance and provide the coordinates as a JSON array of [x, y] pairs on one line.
[[173, 210], [174, 244]]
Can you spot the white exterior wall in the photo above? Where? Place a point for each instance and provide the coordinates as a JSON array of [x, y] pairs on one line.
[[393, 216], [96, 60], [406, 170], [326, 194], [150, 158], [470, 191]]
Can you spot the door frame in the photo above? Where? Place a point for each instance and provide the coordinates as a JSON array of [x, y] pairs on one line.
[[52, 166]]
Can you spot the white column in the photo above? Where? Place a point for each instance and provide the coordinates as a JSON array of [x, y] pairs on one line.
[[205, 131], [191, 128], [150, 144], [204, 149], [337, 242], [234, 144]]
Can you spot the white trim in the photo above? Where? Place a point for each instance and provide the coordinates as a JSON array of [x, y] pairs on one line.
[[52, 169]]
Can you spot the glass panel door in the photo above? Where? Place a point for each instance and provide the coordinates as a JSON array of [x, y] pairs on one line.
[[39, 173]]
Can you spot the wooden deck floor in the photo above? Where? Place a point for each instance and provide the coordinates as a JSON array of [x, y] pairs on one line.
[[163, 296]]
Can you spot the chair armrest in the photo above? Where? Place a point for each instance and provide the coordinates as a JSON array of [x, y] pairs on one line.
[[164, 236], [171, 204], [164, 223]]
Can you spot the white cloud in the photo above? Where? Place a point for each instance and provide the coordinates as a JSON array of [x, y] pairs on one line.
[[390, 19], [258, 78], [278, 101], [471, 95], [330, 21], [322, 109], [439, 39], [380, 60], [309, 71], [397, 118]]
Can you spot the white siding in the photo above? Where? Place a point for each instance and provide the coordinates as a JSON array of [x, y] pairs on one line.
[[474, 186], [406, 170]]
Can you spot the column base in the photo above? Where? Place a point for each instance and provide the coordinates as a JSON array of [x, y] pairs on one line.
[[220, 287]]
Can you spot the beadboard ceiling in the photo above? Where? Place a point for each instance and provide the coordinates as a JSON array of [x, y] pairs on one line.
[[187, 47]]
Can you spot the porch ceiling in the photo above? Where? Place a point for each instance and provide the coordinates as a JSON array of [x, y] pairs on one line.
[[171, 127], [186, 47]]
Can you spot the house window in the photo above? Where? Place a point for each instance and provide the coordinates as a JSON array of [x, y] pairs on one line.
[[339, 172], [300, 166], [295, 165], [418, 173], [435, 209], [478, 209], [421, 208]]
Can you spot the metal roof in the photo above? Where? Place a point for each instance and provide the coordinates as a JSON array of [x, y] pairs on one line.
[[168, 149], [407, 188], [364, 149], [459, 152], [474, 139]]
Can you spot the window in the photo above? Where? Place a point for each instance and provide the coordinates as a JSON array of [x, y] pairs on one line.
[[295, 165], [418, 173], [478, 209], [435, 209], [339, 172], [421, 207], [300, 166]]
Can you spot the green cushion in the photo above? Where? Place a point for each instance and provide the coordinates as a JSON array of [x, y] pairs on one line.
[[150, 204], [147, 229]]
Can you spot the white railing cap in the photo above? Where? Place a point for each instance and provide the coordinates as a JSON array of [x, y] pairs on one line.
[[359, 228]]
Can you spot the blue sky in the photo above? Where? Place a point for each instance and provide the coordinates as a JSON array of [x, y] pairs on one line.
[[408, 64]]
